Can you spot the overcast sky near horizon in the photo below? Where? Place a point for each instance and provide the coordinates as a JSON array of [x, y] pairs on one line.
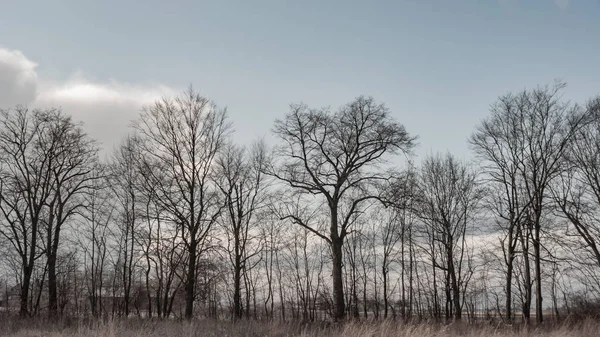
[[437, 65]]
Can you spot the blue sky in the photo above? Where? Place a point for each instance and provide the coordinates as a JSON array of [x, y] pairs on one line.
[[438, 65]]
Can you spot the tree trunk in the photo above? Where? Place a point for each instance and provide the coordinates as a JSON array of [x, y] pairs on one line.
[[410, 273], [27, 271], [538, 276], [456, 295], [280, 284], [190, 281], [454, 285], [337, 242], [509, 272], [52, 256], [355, 311], [148, 287], [385, 290], [237, 298], [527, 286], [339, 309], [51, 263], [52, 291]]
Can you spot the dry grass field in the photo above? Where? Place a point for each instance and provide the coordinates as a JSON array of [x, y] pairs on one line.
[[205, 328]]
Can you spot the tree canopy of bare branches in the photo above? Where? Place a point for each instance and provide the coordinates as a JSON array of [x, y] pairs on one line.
[[338, 156], [180, 140], [47, 163]]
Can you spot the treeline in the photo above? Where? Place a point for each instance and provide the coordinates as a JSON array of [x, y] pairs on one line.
[[335, 220]]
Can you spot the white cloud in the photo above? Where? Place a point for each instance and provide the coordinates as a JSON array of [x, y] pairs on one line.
[[106, 109], [18, 79]]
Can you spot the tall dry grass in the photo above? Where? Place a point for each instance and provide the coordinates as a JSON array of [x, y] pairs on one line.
[[11, 326]]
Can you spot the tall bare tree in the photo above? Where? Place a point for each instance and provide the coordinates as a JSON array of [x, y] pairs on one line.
[[524, 142], [125, 183], [499, 145], [449, 202], [73, 169], [241, 181], [389, 235], [337, 156], [404, 201], [26, 185], [180, 140], [93, 235], [164, 255], [577, 192]]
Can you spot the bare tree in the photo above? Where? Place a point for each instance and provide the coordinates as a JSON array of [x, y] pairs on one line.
[[523, 143], [389, 235], [26, 185], [352, 272], [404, 201], [449, 201], [338, 157], [365, 242], [72, 168], [93, 234], [498, 144], [271, 236], [180, 140], [577, 191], [241, 182], [125, 181], [167, 255]]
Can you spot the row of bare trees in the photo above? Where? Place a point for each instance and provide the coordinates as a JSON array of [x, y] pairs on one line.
[[527, 149], [47, 163], [333, 221]]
